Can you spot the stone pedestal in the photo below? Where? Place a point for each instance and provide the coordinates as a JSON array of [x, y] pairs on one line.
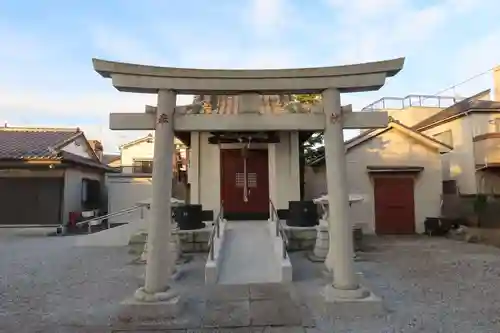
[[322, 243], [352, 303], [137, 310]]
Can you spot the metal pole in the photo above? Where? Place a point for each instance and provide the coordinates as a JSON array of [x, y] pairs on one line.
[[212, 249]]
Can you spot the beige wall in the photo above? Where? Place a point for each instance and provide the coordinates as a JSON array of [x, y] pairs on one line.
[[487, 151], [284, 185], [314, 182], [142, 150], [73, 190], [462, 160], [115, 163], [488, 182], [204, 170], [392, 148], [125, 192]]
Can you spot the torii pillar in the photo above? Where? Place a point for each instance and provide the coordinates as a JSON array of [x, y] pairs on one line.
[[159, 256], [341, 251]]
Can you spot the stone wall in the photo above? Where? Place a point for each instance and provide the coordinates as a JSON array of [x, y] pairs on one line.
[[301, 239], [191, 241], [194, 240]]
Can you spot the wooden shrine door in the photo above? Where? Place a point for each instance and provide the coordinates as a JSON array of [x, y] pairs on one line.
[[245, 184]]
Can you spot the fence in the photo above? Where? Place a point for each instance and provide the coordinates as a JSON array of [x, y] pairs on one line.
[[464, 207]]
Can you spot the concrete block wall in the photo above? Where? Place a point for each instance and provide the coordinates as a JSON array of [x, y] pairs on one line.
[[194, 241], [301, 239]]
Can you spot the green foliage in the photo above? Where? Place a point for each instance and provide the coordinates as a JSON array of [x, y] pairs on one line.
[[307, 98], [313, 147], [480, 203]]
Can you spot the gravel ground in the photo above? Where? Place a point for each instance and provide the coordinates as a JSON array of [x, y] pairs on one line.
[[428, 285], [45, 281]]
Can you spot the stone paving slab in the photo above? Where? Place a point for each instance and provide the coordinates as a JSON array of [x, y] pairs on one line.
[[227, 293], [268, 291], [226, 314], [275, 312]]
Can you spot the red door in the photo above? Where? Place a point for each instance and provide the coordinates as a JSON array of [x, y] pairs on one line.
[[394, 205], [245, 188]]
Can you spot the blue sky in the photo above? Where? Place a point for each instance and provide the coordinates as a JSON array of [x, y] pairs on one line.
[[46, 75]]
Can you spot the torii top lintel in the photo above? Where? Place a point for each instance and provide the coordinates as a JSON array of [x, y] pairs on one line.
[[149, 79]]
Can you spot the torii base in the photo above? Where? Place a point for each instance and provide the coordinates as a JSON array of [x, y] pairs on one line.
[[152, 309], [355, 303]]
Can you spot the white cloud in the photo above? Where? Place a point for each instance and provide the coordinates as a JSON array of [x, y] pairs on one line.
[[268, 17], [353, 31], [366, 8], [116, 45], [18, 107]]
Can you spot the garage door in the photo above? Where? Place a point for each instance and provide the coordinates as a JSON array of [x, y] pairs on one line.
[[30, 201], [394, 205]]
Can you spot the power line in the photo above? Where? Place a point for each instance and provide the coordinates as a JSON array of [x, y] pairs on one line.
[[465, 81]]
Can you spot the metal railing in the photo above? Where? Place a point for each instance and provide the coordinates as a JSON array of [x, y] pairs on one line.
[[280, 232], [411, 101], [99, 219], [215, 231]]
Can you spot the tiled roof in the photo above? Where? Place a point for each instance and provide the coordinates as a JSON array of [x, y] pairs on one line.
[[473, 102], [33, 143], [80, 160], [226, 104]]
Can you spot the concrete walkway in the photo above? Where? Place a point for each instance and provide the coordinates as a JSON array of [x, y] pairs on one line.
[[248, 254]]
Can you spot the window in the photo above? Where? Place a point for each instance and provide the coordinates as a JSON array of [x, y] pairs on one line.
[[445, 137], [91, 194], [141, 166]]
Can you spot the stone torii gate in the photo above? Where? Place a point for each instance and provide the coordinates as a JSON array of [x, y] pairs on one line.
[[248, 84]]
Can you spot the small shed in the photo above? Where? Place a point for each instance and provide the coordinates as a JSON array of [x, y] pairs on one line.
[[399, 173], [46, 173]]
